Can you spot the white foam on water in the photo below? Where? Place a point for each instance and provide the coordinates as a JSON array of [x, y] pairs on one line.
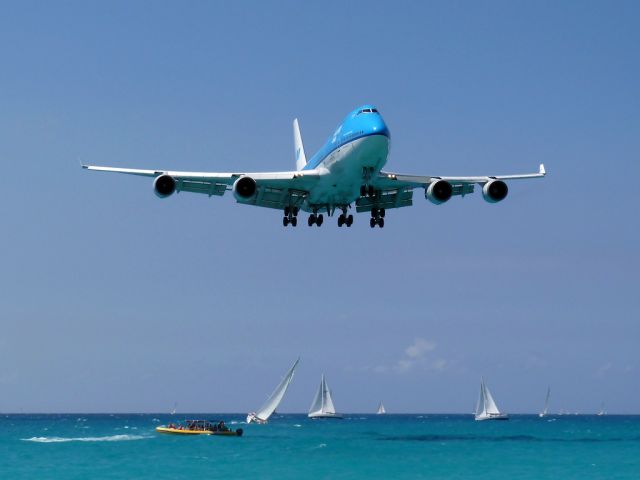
[[110, 438], [297, 425]]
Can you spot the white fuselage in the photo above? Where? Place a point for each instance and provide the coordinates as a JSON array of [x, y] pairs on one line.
[[343, 170]]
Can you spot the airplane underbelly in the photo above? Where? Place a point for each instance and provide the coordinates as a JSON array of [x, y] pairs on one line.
[[341, 186]]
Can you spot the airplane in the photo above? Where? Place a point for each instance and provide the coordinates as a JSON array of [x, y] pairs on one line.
[[345, 172]]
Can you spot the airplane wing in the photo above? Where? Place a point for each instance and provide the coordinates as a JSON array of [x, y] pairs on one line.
[[272, 189], [396, 189]]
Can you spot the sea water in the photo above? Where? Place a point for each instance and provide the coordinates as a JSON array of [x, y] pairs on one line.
[[293, 447]]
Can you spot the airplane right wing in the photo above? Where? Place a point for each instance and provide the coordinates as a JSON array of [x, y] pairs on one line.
[[396, 189]]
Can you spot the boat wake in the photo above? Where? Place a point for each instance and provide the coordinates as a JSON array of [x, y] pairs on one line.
[[110, 438]]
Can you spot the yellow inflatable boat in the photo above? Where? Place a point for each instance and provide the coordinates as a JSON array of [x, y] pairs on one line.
[[200, 427]]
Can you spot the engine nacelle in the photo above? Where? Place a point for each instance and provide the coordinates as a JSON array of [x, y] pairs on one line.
[[244, 188], [439, 192], [495, 191], [164, 186]]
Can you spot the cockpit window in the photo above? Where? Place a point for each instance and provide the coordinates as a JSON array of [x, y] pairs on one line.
[[367, 110]]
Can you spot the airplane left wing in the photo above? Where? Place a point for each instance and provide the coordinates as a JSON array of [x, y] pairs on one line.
[[396, 189], [264, 189]]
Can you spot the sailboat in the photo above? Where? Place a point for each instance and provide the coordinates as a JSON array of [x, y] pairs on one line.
[[322, 406], [602, 411], [486, 409], [264, 412], [175, 407], [544, 412], [381, 410]]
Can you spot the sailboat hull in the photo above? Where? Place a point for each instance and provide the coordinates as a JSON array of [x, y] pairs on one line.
[[251, 418], [321, 416], [501, 416]]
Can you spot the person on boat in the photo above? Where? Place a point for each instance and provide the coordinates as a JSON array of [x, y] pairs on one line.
[[222, 427]]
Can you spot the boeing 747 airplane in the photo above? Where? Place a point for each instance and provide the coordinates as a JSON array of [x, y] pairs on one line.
[[345, 172]]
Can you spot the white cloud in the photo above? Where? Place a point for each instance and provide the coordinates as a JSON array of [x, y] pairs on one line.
[[419, 348], [603, 369], [415, 355]]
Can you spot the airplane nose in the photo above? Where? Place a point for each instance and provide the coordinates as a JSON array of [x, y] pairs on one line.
[[379, 127]]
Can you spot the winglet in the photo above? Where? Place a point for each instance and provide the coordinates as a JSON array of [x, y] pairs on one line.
[[542, 170]]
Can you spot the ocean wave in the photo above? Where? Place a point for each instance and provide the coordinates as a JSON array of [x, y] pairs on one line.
[[110, 438]]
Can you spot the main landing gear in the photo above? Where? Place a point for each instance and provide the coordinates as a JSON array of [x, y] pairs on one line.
[[377, 217], [290, 216], [345, 219], [315, 218]]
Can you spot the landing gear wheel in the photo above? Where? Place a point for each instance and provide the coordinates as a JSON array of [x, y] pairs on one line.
[[381, 222], [294, 221], [294, 211], [312, 219], [341, 220], [285, 221], [382, 212], [363, 190], [372, 222], [349, 220], [287, 211], [374, 212], [320, 220], [371, 191]]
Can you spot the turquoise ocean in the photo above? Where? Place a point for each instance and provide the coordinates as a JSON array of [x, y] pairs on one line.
[[119, 446]]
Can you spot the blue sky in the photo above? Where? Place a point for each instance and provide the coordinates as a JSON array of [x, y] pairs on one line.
[[113, 300]]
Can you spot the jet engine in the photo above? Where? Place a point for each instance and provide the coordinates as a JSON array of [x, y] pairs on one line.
[[164, 185], [439, 192], [244, 188], [495, 191]]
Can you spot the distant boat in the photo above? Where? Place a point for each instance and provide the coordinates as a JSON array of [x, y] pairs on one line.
[[602, 411], [486, 409], [264, 412], [322, 406], [381, 410], [175, 406], [544, 412]]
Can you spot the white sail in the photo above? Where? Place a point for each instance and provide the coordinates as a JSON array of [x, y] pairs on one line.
[[328, 406], [264, 412], [322, 405], [316, 405], [381, 409], [480, 402], [602, 410], [546, 404], [486, 408], [490, 406]]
